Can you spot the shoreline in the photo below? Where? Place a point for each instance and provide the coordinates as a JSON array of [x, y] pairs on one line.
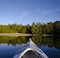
[[15, 34], [22, 34]]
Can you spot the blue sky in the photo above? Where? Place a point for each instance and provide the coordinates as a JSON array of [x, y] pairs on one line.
[[29, 11]]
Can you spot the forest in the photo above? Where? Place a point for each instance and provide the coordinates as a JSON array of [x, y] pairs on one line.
[[48, 33], [50, 28]]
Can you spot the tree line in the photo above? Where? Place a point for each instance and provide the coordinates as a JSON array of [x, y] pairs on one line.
[[51, 28]]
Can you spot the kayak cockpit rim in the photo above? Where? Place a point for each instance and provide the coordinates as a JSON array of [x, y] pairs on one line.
[[29, 50]]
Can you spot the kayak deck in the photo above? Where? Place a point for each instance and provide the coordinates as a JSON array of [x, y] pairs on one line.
[[30, 50]]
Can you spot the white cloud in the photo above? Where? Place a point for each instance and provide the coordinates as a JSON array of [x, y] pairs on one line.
[[23, 14], [50, 11]]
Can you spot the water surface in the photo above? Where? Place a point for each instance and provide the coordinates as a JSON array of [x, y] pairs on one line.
[[9, 46]]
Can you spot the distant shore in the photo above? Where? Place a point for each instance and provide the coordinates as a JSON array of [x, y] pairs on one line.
[[22, 34], [15, 34]]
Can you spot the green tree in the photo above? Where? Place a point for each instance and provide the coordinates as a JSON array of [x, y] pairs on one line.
[[49, 28], [19, 28], [37, 29], [56, 28], [28, 28]]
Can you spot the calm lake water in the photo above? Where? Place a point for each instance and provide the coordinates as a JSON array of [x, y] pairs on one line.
[[9, 46]]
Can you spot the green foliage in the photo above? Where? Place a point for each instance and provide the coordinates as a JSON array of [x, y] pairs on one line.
[[24, 30], [6, 29], [49, 28], [28, 28], [19, 28], [56, 28], [35, 29]]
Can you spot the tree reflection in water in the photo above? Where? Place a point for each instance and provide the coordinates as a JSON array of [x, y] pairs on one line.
[[49, 41]]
